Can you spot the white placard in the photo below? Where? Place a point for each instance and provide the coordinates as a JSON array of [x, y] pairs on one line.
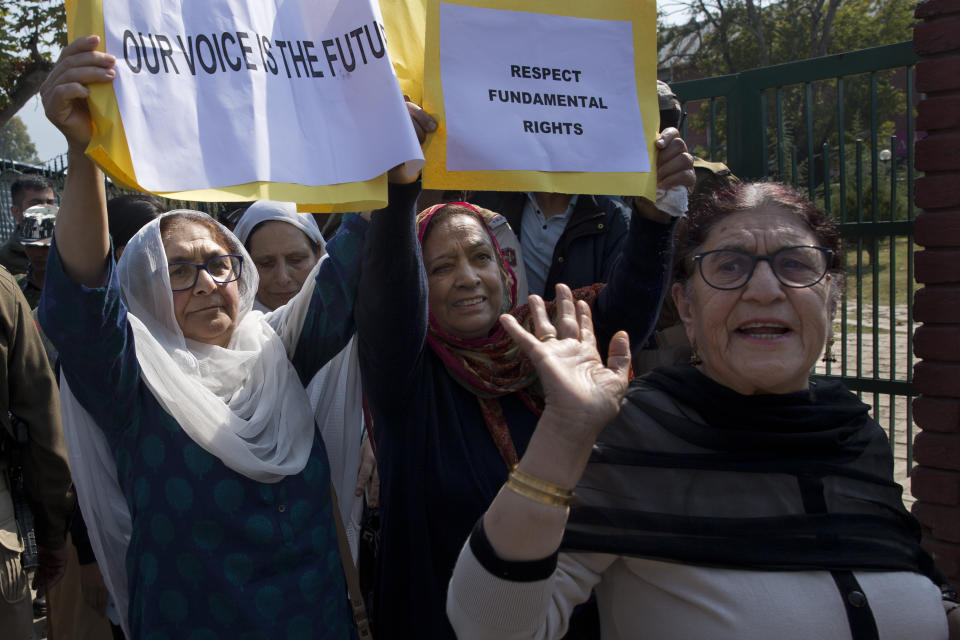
[[227, 92], [529, 91]]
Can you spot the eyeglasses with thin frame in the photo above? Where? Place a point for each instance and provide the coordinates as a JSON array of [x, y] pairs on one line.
[[796, 267], [223, 269]]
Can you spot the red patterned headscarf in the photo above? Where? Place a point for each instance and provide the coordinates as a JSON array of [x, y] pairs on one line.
[[493, 366]]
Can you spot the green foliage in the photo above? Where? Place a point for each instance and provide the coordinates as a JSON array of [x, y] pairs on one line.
[[871, 23], [857, 116], [890, 206], [738, 35], [29, 29], [15, 142]]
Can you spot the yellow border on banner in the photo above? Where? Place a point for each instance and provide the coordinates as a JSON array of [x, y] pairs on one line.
[[404, 22], [643, 15], [109, 148]]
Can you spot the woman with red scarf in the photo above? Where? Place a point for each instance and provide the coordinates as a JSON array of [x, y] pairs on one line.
[[453, 399]]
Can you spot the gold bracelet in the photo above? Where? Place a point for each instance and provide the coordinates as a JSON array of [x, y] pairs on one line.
[[540, 485], [537, 496]]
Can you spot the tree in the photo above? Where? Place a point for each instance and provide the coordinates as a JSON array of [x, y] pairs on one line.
[[728, 36], [15, 142], [731, 36], [29, 29]]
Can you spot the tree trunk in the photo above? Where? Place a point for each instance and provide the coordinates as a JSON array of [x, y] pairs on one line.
[[756, 28], [26, 87], [827, 33]]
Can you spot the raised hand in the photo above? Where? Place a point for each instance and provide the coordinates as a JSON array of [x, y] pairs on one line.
[[65, 90], [582, 394], [423, 123], [674, 164], [81, 228], [674, 168]]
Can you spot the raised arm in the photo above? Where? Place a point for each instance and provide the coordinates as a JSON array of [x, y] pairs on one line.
[[524, 525], [81, 227], [86, 325], [631, 301], [391, 309], [581, 396]]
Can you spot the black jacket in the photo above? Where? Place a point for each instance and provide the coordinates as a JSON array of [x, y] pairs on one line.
[[587, 249]]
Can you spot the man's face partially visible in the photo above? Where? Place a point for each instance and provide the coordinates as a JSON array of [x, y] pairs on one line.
[[30, 198]]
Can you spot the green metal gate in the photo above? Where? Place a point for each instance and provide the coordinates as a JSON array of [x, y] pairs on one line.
[[769, 124]]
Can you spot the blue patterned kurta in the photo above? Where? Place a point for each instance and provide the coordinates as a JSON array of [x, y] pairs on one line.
[[213, 554]]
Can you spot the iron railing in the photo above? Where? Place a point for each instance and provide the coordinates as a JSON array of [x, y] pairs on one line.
[[55, 169]]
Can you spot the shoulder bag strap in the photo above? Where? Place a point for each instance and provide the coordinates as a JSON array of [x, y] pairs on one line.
[[350, 573]]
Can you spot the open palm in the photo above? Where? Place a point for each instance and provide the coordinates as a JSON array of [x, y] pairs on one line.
[[579, 389]]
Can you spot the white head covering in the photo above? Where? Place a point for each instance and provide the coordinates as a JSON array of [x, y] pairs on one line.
[[271, 210], [335, 393], [244, 403]]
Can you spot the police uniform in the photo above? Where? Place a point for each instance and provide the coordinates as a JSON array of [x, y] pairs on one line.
[[28, 391]]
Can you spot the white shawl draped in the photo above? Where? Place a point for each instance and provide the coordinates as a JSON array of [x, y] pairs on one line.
[[335, 392], [243, 404]]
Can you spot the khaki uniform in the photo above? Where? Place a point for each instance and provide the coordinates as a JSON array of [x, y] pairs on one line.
[[30, 292], [711, 176], [28, 390], [12, 255]]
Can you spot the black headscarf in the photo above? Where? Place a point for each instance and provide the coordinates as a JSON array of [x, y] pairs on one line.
[[692, 471]]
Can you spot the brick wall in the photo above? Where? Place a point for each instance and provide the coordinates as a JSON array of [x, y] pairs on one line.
[[936, 479]]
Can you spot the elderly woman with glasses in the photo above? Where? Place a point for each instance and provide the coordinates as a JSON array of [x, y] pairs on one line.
[[202, 476], [733, 498]]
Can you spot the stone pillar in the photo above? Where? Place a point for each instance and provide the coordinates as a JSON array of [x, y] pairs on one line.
[[936, 479]]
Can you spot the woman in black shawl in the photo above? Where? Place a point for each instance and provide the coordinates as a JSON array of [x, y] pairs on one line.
[[732, 498]]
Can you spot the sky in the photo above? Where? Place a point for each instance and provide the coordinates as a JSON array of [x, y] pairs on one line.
[[50, 142]]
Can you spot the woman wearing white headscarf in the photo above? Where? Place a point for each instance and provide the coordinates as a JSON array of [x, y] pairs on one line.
[[191, 437], [284, 253], [285, 246]]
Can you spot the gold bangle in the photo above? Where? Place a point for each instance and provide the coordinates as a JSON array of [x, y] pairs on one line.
[[537, 496], [540, 485]]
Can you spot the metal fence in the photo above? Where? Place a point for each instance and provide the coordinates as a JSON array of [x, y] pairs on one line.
[[842, 128], [56, 170], [821, 125]]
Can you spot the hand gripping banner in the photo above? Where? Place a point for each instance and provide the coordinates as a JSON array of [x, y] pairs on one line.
[[538, 95], [233, 100]]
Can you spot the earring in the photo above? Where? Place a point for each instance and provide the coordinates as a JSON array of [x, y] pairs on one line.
[[828, 354], [694, 356]]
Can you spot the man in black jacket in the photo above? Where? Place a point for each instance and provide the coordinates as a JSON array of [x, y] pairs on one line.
[[573, 239]]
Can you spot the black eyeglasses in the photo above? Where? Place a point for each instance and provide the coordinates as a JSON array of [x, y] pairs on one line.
[[796, 267], [223, 269]]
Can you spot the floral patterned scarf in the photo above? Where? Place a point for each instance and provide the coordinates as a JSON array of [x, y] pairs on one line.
[[493, 366]]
